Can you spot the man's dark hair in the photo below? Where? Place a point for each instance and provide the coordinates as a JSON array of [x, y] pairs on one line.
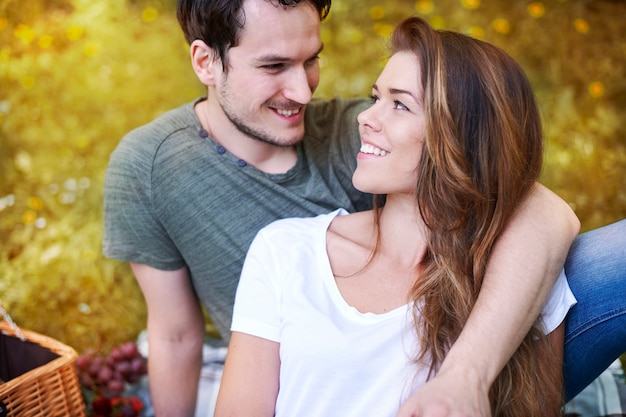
[[219, 22]]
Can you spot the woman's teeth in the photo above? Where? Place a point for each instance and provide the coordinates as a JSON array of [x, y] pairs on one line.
[[371, 149]]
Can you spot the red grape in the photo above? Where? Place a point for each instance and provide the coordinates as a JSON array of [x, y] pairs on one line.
[[130, 350]]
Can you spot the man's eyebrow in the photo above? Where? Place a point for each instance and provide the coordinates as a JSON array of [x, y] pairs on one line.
[[278, 58]]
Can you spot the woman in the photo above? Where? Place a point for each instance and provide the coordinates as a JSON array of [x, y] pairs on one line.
[[347, 314]]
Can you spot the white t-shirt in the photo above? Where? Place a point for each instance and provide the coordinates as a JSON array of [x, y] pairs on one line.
[[335, 361]]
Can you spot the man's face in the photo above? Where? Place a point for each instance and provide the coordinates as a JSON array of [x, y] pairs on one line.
[[272, 72]]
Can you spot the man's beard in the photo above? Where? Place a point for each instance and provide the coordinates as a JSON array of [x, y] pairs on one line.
[[254, 133], [257, 134]]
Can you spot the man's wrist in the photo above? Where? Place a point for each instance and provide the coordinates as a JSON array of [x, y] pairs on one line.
[[475, 376]]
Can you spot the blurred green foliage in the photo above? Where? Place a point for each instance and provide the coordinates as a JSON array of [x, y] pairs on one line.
[[75, 75]]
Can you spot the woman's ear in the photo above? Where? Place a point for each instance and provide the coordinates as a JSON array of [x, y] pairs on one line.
[[205, 62]]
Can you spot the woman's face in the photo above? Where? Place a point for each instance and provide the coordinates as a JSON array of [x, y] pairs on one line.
[[392, 130]]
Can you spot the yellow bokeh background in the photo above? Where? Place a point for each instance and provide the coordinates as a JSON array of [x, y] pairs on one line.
[[75, 75]]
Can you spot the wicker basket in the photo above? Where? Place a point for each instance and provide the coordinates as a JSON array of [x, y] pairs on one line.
[[50, 390]]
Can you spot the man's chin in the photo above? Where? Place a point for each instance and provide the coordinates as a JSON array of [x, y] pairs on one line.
[[292, 140], [287, 138], [280, 141]]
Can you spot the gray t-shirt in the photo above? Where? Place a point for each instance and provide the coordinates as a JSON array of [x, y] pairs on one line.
[[174, 197]]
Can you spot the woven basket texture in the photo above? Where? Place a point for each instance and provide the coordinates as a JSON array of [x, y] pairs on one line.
[[50, 390]]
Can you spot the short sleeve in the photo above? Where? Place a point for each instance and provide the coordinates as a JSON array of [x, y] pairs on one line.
[[559, 302], [258, 301], [132, 233]]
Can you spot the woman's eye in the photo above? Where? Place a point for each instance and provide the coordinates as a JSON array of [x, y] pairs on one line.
[[399, 106], [373, 99]]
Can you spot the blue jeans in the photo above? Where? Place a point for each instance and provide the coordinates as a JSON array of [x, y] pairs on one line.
[[595, 332]]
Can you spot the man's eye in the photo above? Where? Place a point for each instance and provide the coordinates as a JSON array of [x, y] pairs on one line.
[[312, 61], [272, 67]]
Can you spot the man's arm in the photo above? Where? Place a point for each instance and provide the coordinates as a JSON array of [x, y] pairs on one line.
[[522, 270], [175, 338]]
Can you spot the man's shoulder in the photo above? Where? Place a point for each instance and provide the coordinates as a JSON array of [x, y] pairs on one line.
[[143, 142], [164, 125]]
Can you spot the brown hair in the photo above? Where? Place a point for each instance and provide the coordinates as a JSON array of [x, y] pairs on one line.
[[219, 22], [482, 154]]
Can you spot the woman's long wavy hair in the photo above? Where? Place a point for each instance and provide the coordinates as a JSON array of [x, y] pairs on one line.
[[482, 155]]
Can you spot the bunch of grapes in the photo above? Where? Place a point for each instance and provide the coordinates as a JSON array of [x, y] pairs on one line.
[[116, 407], [107, 375]]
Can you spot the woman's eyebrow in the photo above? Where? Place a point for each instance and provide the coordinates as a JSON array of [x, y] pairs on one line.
[[398, 91]]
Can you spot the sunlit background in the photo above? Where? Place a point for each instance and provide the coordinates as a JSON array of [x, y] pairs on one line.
[[75, 75]]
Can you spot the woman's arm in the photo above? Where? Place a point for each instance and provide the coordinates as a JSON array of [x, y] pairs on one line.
[[249, 385], [522, 270]]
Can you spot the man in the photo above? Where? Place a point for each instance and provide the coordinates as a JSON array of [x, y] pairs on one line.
[[185, 195]]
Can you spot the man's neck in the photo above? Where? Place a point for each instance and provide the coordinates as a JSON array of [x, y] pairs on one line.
[[264, 156]]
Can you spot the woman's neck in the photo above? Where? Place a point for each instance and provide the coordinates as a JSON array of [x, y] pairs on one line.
[[402, 232], [375, 268]]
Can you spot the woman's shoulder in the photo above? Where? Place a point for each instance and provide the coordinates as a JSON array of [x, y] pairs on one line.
[[349, 240], [352, 226], [299, 226]]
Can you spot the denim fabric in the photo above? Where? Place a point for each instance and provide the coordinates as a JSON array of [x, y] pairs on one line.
[[595, 332]]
